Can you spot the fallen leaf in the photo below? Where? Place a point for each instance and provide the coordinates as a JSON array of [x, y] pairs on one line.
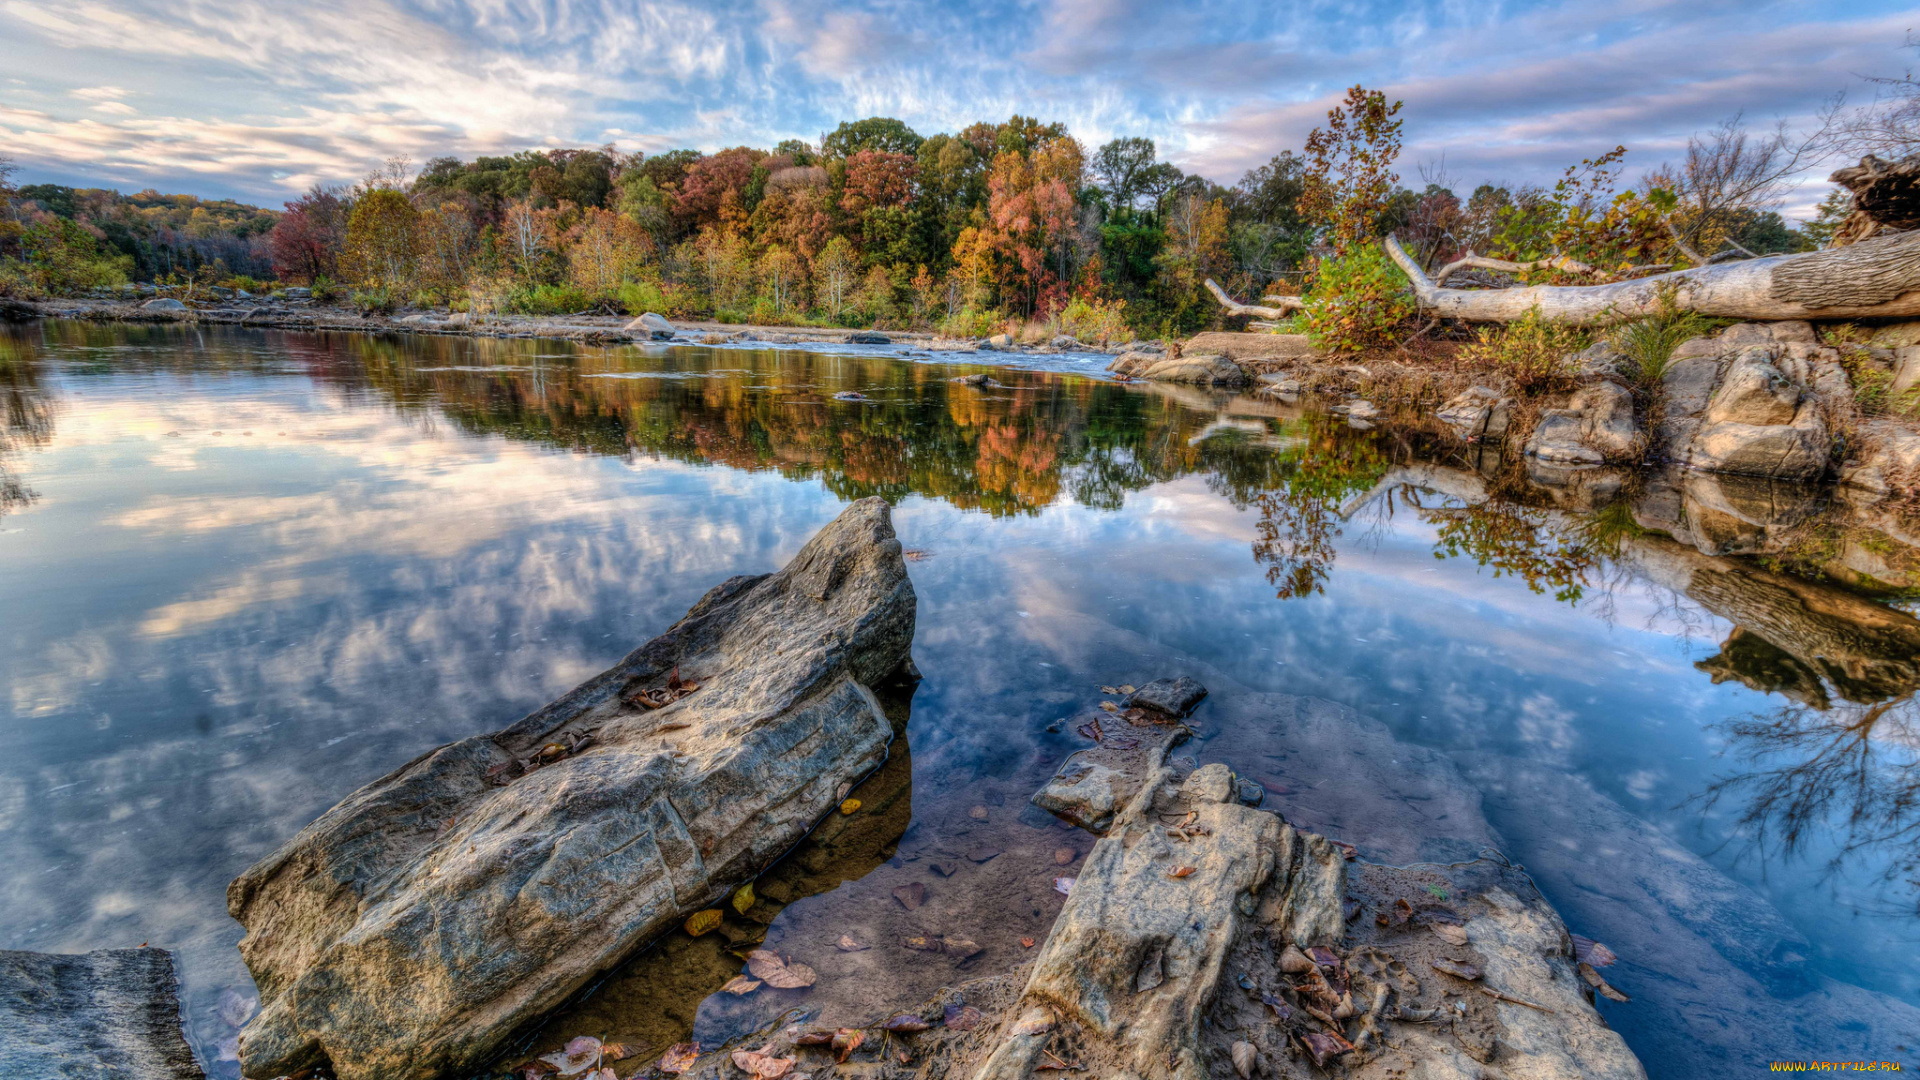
[[743, 898], [1063, 886], [910, 895], [977, 813], [740, 986], [847, 944], [1588, 951], [761, 1064], [1091, 729], [1281, 1010], [1324, 1047], [1295, 962], [1136, 716], [617, 1051], [679, 1057], [1459, 969], [1109, 690], [1594, 980], [1452, 935], [1126, 689], [1027, 943], [963, 1017], [701, 922], [846, 1041], [982, 852], [849, 806], [958, 947], [915, 554], [906, 1024], [1064, 856], [1436, 892], [768, 967], [1108, 706], [813, 1038], [1244, 1059], [1402, 911], [922, 943], [1181, 871], [1346, 849], [579, 1055]]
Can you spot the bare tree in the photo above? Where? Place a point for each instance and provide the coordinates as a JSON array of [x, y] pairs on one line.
[[1887, 126], [1730, 176]]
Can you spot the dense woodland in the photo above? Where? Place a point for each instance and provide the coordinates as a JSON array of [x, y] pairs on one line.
[[1001, 225]]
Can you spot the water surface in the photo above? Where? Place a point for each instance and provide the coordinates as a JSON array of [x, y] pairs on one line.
[[246, 572]]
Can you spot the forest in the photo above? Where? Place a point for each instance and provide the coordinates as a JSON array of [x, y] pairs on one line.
[[1000, 225]]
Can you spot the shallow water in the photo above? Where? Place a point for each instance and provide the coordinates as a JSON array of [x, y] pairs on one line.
[[247, 572]]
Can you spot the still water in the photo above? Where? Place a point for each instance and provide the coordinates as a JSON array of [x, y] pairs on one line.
[[244, 572]]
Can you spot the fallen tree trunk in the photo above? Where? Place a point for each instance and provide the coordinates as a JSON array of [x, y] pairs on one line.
[[1886, 195], [1285, 303], [1470, 261], [1872, 279]]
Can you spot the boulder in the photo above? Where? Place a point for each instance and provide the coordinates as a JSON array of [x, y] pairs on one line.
[[868, 337], [1759, 423], [109, 1014], [1478, 413], [1595, 426], [1888, 460], [1134, 363], [1896, 335], [1600, 361], [1754, 391], [652, 326], [1174, 697], [999, 341], [1066, 342], [163, 303], [1767, 333], [1251, 346], [1906, 371], [299, 293], [414, 926], [1202, 369]]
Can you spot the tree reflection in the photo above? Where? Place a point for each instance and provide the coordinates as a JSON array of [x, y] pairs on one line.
[[26, 415], [1854, 769]]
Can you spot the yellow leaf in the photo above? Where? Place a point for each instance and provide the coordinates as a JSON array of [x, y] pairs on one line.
[[701, 922], [743, 898], [850, 806]]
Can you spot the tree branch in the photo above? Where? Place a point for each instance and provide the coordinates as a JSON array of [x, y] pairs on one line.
[[1483, 262], [1287, 303]]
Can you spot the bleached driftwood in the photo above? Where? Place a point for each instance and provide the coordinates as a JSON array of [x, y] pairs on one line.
[[1282, 304], [1485, 262], [1872, 279]]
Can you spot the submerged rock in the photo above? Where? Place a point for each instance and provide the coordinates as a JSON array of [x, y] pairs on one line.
[[1175, 697], [1204, 369], [412, 927], [110, 1013]]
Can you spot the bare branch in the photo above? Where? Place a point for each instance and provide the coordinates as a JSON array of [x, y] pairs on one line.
[[1483, 262], [1279, 311]]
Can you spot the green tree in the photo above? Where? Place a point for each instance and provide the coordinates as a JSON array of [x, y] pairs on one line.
[[880, 133], [1350, 168]]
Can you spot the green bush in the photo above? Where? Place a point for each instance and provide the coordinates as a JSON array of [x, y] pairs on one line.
[[1357, 302], [1649, 342], [640, 297], [378, 300], [1532, 349], [973, 323], [548, 300]]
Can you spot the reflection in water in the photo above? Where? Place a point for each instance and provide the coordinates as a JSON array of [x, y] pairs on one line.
[[266, 568], [26, 413]]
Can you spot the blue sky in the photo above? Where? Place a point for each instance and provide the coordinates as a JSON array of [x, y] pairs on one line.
[[258, 99]]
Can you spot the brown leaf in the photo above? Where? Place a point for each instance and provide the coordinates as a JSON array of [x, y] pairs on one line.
[[579, 1055], [1108, 706], [1135, 716], [768, 967], [617, 1051], [1181, 871], [1594, 980], [910, 895], [1126, 689], [1027, 943], [1346, 849], [1588, 951], [1295, 962], [1109, 690], [847, 944], [1402, 911], [963, 1017], [813, 1038], [922, 943], [1064, 856], [701, 922], [1244, 1059], [1091, 729], [1459, 969], [761, 1064], [846, 1041], [1324, 1047], [906, 1024], [960, 948], [740, 986], [679, 1057]]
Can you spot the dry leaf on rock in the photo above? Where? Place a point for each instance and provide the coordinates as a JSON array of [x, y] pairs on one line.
[[1181, 871], [761, 1064], [1593, 979], [617, 1051], [1459, 969], [1091, 729], [679, 1057], [743, 898], [910, 895], [963, 1017], [813, 1038], [846, 1041], [1126, 689], [579, 1055], [1108, 706], [701, 922], [847, 944], [1027, 943], [768, 967], [740, 985], [850, 806], [1245, 1059], [1295, 962], [1588, 951], [1324, 1047], [906, 1024], [1109, 690], [1402, 912]]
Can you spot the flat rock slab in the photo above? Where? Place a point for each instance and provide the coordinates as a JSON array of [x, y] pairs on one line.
[[414, 926], [107, 1015], [1251, 346], [1175, 697]]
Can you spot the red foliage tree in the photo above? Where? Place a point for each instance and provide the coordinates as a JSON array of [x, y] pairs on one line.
[[306, 242], [878, 180], [701, 195]]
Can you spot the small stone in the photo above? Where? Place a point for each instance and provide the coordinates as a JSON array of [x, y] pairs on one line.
[[1175, 697]]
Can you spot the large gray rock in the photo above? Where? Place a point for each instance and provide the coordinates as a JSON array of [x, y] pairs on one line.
[[1760, 423], [1596, 425], [1478, 413], [1754, 391], [1202, 369], [411, 928], [652, 325], [163, 303], [106, 1015]]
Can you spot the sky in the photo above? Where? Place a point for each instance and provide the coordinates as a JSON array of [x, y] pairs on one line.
[[257, 100]]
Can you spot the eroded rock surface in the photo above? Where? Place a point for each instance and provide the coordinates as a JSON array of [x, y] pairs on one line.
[[1597, 425], [1478, 413], [110, 1015], [1203, 369], [414, 925]]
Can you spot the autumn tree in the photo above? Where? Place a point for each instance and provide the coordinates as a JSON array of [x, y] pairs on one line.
[[602, 249], [711, 187], [307, 239], [1350, 168], [834, 272], [383, 240]]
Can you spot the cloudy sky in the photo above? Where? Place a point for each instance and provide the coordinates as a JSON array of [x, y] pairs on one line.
[[258, 99]]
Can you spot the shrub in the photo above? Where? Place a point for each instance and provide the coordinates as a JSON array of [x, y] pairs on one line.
[[548, 300], [640, 297], [1100, 321], [1532, 350], [374, 301], [971, 323], [1357, 302]]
